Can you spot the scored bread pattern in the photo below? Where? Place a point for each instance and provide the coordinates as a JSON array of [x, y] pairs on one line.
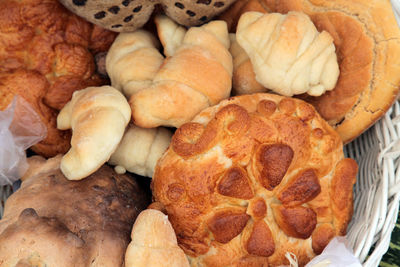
[[129, 15], [270, 177], [171, 91]]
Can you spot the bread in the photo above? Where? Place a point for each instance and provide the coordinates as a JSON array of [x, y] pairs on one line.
[[98, 117], [154, 242], [140, 149], [45, 55], [252, 178], [51, 221], [291, 57], [243, 78], [171, 91], [128, 15], [366, 48]]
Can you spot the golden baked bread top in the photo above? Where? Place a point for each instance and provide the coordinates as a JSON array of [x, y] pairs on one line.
[[367, 48], [46, 49], [252, 178]]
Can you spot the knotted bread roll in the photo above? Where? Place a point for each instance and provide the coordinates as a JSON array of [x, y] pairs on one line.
[[288, 54], [154, 242], [98, 117], [170, 92]]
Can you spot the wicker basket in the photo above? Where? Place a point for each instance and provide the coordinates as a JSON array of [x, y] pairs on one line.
[[377, 191]]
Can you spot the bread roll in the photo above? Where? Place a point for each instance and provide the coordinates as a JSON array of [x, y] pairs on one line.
[[98, 117], [46, 53], [140, 149], [171, 92], [154, 243], [252, 178], [366, 48], [51, 221], [288, 54]]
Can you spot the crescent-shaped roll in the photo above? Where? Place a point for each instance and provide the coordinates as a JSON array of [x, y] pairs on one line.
[[98, 117], [197, 72], [140, 149], [288, 54]]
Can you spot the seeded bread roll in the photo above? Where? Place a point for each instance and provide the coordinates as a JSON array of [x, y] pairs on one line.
[[252, 178]]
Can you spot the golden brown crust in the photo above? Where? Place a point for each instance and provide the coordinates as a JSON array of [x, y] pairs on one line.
[[289, 164], [367, 48], [41, 40]]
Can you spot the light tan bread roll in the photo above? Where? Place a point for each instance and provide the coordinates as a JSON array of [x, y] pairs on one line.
[[140, 149], [243, 78], [367, 49], [154, 242], [288, 54], [98, 117], [170, 92]]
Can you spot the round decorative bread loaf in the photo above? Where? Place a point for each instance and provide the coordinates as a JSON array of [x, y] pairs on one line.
[[252, 178], [130, 15]]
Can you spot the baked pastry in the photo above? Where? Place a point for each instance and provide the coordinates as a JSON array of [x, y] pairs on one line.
[[243, 78], [139, 150], [128, 15], [51, 221], [98, 117], [45, 55], [171, 91], [366, 48], [291, 57], [154, 242], [252, 178]]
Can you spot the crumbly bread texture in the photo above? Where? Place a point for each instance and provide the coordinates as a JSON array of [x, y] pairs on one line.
[[128, 15], [172, 91], [367, 48], [46, 53], [289, 56], [140, 149], [98, 117], [51, 221], [154, 242], [252, 178]]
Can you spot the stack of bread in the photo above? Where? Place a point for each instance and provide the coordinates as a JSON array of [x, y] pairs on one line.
[[262, 100]]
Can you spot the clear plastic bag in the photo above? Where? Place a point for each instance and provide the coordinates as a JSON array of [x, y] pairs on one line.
[[20, 128]]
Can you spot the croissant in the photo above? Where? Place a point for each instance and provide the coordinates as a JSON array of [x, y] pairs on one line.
[[154, 242], [172, 91], [140, 149], [243, 78], [98, 117], [288, 54]]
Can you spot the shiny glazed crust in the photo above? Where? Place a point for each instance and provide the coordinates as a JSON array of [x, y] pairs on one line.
[[368, 49], [46, 53], [252, 178]]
